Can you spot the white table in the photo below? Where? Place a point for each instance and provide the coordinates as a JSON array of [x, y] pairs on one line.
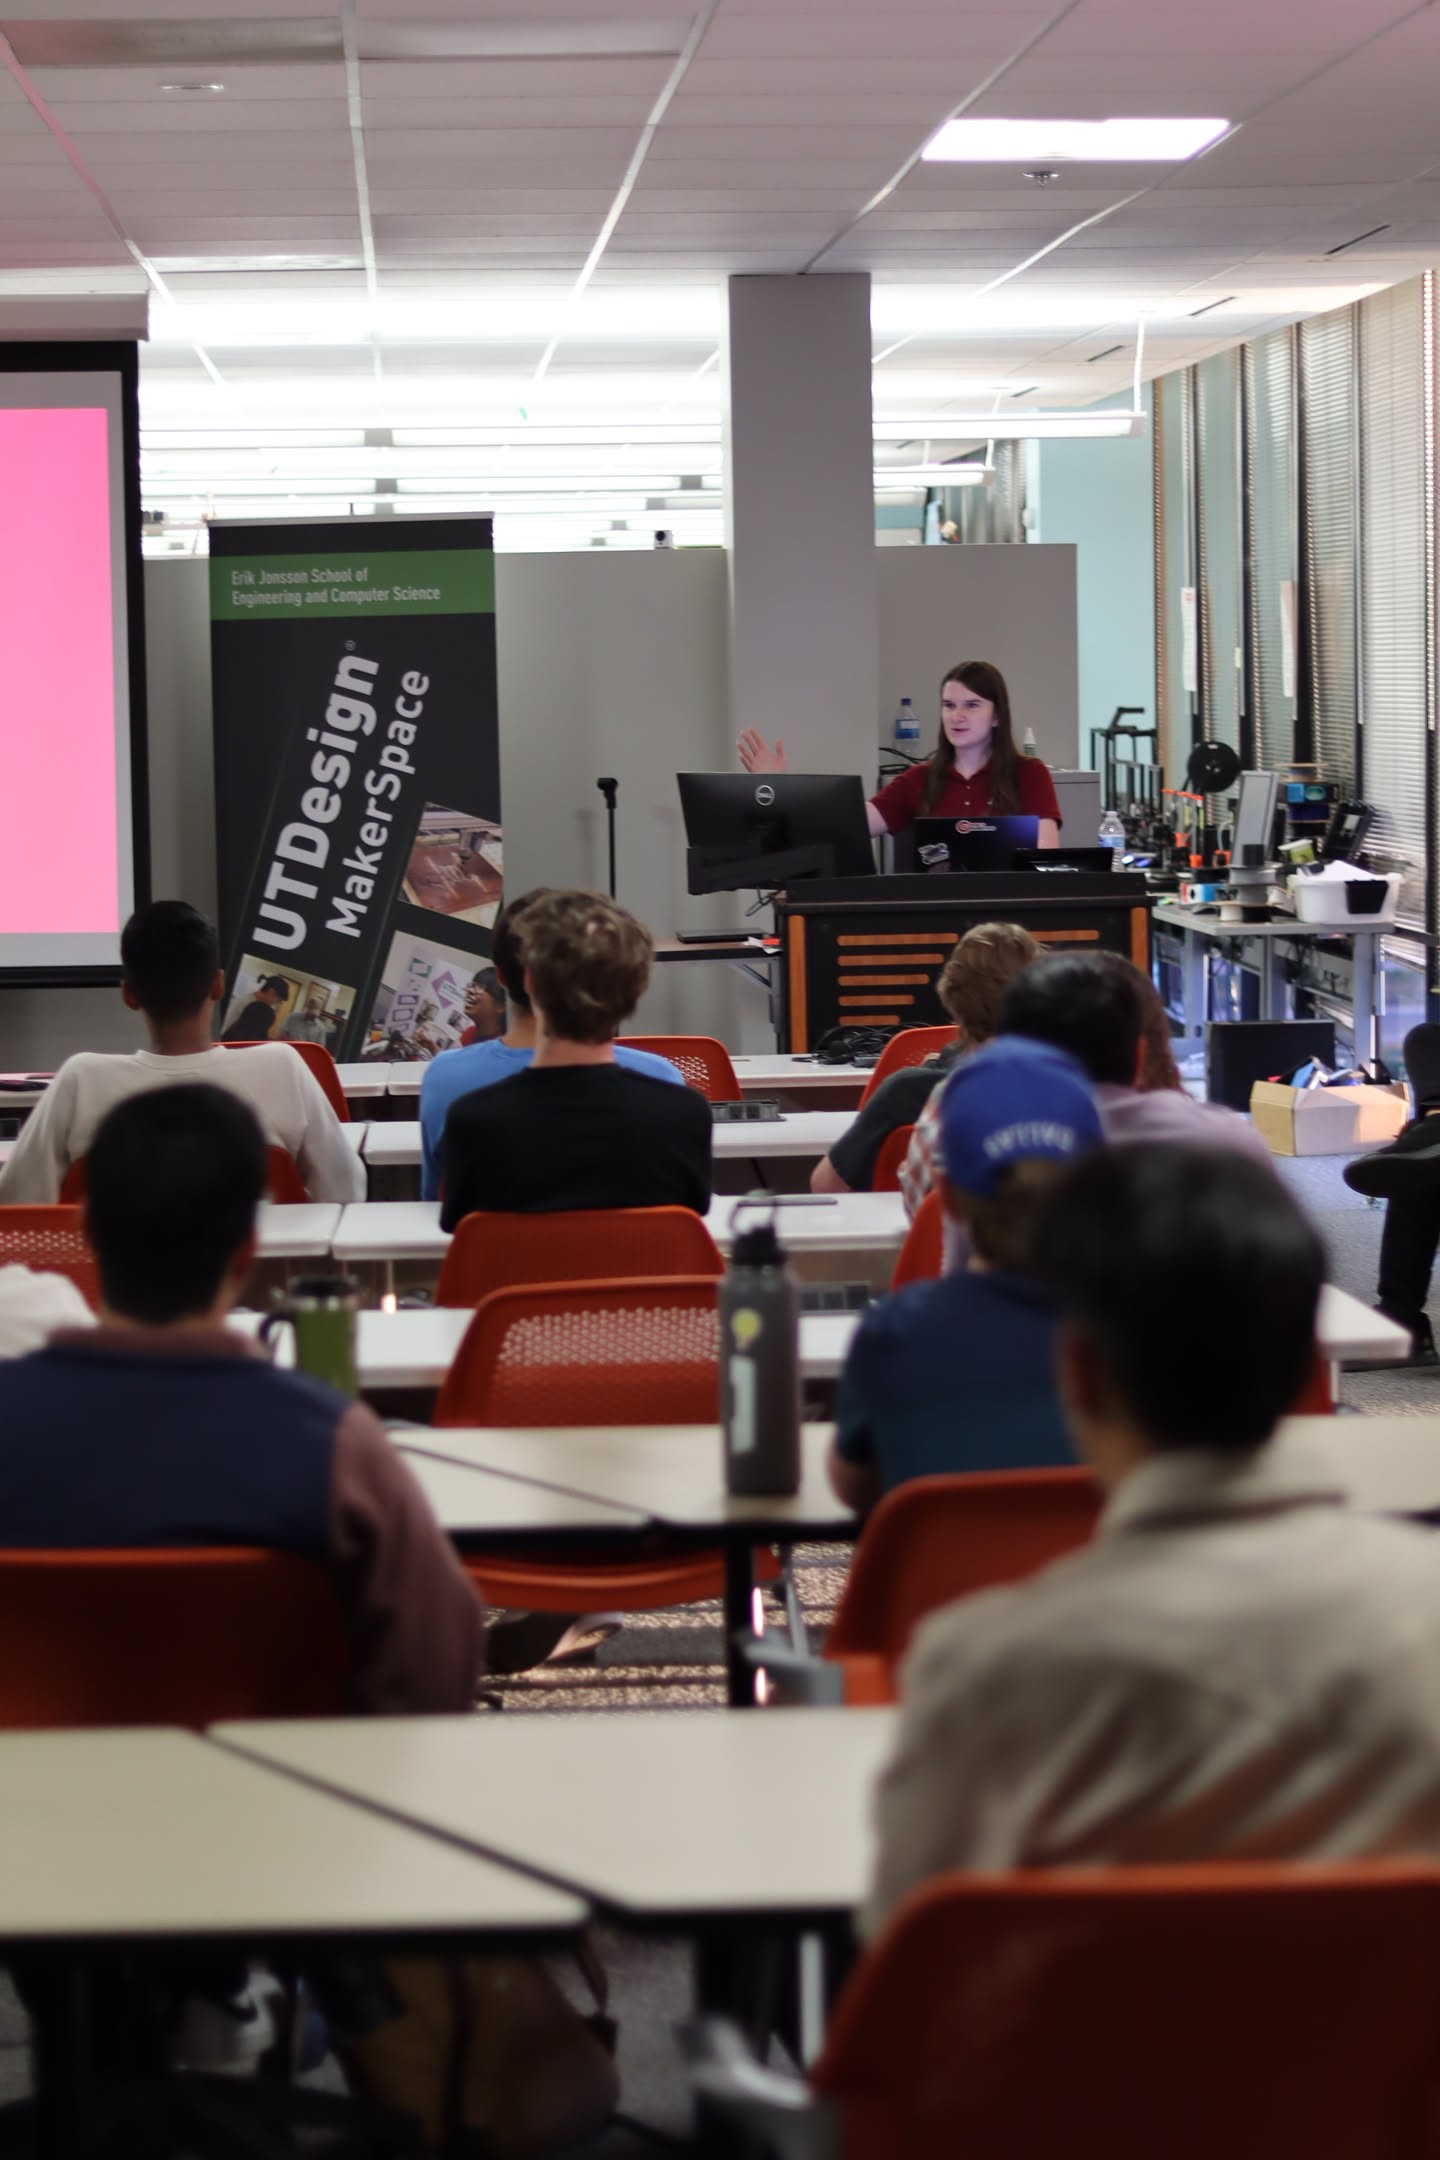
[[774, 1072], [689, 1817], [415, 1347], [863, 1231], [475, 1504], [305, 1231], [406, 1079], [1198, 931], [676, 1475], [7, 1149], [151, 1838], [360, 1083], [356, 1134], [1345, 1327], [804, 1135], [1386, 1465]]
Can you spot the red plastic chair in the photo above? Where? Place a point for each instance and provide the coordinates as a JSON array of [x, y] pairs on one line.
[[167, 1638], [893, 1150], [704, 1062], [936, 1539], [51, 1239], [922, 1255], [496, 1252], [1135, 2013], [283, 1182], [639, 1352], [910, 1047], [321, 1063]]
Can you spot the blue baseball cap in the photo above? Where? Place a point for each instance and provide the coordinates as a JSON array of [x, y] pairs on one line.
[[1014, 1101]]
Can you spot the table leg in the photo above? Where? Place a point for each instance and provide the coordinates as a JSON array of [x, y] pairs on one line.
[[1192, 986], [739, 1590], [1367, 1045], [1273, 984]]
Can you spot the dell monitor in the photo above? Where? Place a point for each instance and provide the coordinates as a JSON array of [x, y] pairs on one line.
[[770, 829]]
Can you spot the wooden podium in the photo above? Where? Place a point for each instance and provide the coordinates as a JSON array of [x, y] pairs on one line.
[[865, 952]]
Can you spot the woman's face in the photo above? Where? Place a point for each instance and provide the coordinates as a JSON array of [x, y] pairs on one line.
[[967, 718], [484, 1014]]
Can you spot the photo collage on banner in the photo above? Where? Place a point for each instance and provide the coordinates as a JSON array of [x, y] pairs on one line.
[[357, 775]]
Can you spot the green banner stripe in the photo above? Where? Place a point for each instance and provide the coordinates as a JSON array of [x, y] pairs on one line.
[[352, 584]]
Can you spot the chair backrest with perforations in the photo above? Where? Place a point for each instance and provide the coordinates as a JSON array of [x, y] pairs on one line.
[[935, 1539], [893, 1149], [922, 1256], [704, 1062], [495, 1252], [638, 1352], [167, 1638], [52, 1240], [321, 1064], [910, 1047], [1129, 2013]]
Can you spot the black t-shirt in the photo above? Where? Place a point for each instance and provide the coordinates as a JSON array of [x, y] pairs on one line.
[[897, 1101], [576, 1136]]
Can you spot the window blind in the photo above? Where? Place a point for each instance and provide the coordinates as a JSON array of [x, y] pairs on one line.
[[1270, 482], [1217, 394], [1392, 582], [1328, 454]]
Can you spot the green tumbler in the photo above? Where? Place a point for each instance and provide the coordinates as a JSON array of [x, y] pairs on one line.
[[320, 1310]]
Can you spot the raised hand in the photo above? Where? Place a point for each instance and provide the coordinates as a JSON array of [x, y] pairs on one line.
[[756, 755]]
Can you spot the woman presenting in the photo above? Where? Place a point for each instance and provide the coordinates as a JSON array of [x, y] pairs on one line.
[[975, 771]]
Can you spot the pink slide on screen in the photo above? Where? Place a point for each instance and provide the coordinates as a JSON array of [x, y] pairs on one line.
[[58, 868]]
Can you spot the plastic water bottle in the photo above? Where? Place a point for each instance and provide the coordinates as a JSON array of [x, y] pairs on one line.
[[760, 1365], [907, 725], [1112, 835], [1029, 747]]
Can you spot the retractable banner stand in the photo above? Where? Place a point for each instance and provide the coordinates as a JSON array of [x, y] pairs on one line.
[[357, 779]]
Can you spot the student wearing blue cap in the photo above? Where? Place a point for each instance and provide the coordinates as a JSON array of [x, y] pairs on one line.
[[958, 1374]]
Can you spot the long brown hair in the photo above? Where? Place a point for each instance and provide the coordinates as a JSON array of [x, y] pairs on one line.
[[985, 679]]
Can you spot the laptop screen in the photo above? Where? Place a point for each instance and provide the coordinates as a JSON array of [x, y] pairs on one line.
[[972, 843]]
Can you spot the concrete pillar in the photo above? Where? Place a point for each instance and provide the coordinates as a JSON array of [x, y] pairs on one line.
[[801, 519]]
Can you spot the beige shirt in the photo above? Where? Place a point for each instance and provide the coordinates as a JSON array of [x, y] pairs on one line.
[[1235, 1668], [274, 1079]]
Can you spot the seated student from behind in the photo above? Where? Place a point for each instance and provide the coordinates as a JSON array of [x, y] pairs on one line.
[[1236, 1667], [969, 986], [577, 1129], [159, 1427], [170, 965], [1094, 1006], [958, 1374], [475, 1065]]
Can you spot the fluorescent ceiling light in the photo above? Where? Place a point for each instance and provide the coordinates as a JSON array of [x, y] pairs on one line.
[[1011, 426], [1100, 142], [908, 476]]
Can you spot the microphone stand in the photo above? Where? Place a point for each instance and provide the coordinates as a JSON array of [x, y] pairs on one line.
[[609, 789]]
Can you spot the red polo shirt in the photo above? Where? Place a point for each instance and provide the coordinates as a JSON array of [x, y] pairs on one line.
[[899, 800]]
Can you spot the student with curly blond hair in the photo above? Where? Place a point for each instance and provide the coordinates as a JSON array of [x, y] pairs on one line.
[[576, 1129]]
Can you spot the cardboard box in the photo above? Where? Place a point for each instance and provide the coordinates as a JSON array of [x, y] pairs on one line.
[[1326, 1121]]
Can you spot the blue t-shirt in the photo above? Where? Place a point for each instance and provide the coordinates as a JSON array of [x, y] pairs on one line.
[[458, 1072], [956, 1374]]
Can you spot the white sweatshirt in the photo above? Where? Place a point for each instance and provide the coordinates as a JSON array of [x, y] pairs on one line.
[[272, 1078]]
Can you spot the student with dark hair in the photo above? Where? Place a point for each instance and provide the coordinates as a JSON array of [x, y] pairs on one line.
[[970, 987], [171, 975], [484, 1008], [958, 1374], [576, 1129], [476, 1065], [1094, 1005], [1237, 1667], [159, 1427]]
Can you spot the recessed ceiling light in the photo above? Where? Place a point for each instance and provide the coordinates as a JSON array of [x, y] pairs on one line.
[[193, 89], [1047, 142]]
